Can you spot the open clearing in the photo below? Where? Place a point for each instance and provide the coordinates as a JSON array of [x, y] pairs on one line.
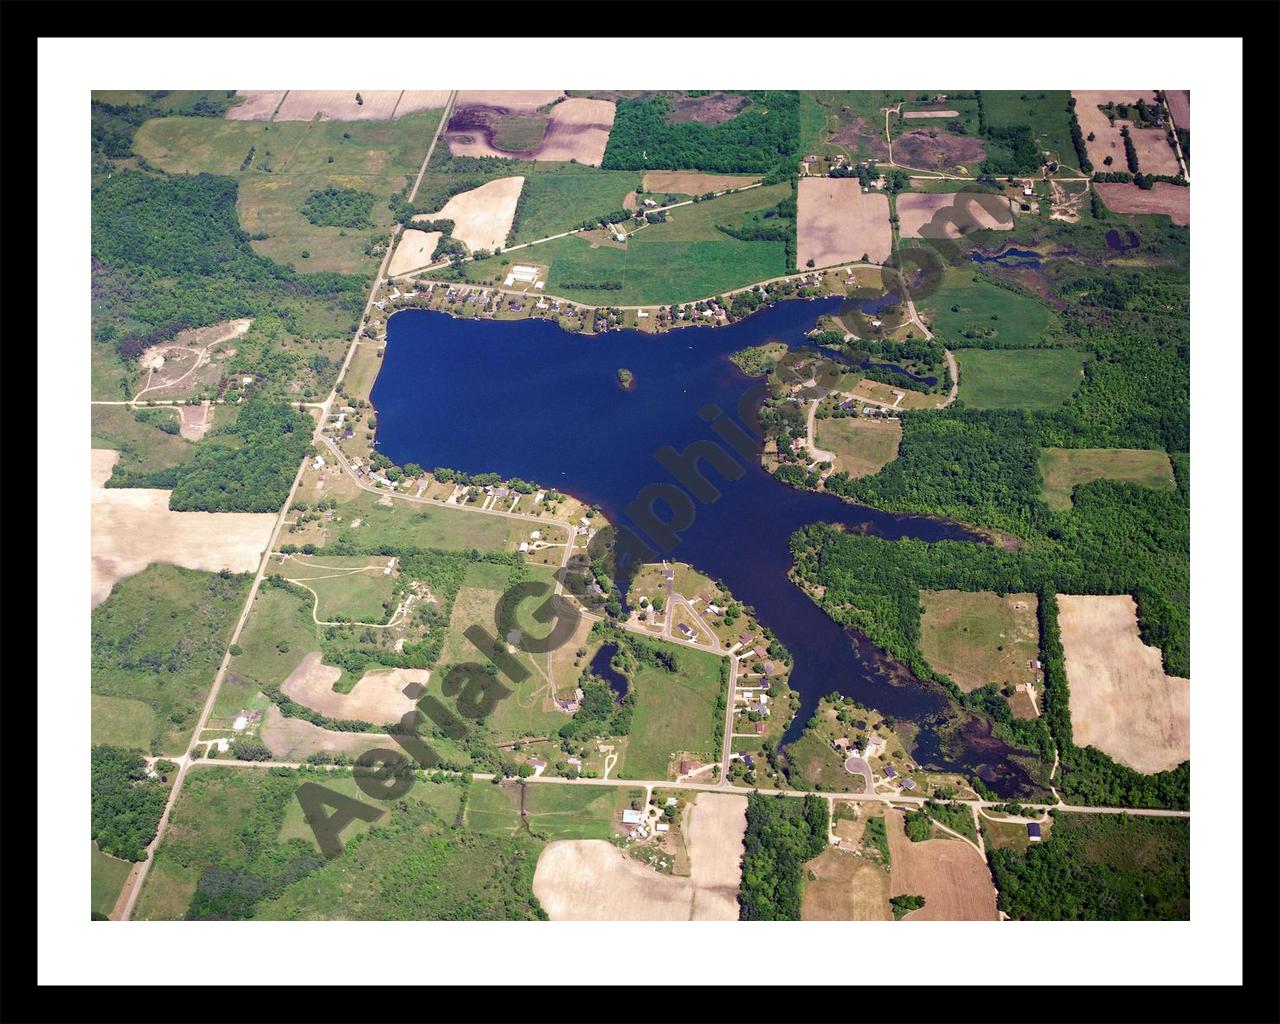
[[966, 213], [847, 887], [893, 396], [674, 713], [133, 527], [914, 115], [861, 445], [482, 217], [508, 124], [338, 105], [961, 634], [1155, 155], [949, 873], [1121, 700], [414, 251], [837, 223], [377, 698], [258, 105], [694, 183], [1174, 201], [107, 875], [1064, 468], [1179, 101], [293, 739], [1029, 378], [592, 880], [982, 310], [195, 421], [933, 149]]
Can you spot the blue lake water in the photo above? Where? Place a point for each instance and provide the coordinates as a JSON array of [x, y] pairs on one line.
[[526, 399], [600, 666]]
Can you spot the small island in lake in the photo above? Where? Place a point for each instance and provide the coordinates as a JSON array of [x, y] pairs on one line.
[[626, 379]]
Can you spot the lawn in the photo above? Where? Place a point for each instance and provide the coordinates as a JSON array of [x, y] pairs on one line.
[[127, 723], [352, 588], [1064, 468], [363, 370], [107, 876], [979, 638], [158, 639], [861, 445], [968, 307], [573, 812], [278, 619], [405, 524], [674, 713], [1035, 379], [290, 161], [558, 197]]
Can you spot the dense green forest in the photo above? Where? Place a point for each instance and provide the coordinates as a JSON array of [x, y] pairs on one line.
[[782, 834], [763, 138], [340, 208], [125, 805], [874, 585], [1102, 867], [169, 253], [252, 476]]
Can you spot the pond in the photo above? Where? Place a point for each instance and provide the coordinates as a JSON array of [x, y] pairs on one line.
[[527, 399], [600, 667], [1010, 257]]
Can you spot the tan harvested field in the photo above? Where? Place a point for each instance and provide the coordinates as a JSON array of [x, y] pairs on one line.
[[377, 698], [414, 251], [694, 183], [848, 888], [338, 105], [413, 100], [577, 128], [1155, 155], [837, 222], [592, 880], [482, 217], [1179, 101], [1174, 201], [292, 739], [913, 115], [1121, 700], [258, 105], [518, 101], [949, 873], [894, 397], [195, 420], [133, 527], [968, 212]]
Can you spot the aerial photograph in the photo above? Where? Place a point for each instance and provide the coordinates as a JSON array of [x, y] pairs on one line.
[[628, 505]]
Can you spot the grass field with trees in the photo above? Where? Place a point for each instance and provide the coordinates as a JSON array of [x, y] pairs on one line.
[[1036, 379], [1064, 468]]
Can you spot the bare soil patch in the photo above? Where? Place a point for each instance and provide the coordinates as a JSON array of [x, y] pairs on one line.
[[377, 698], [414, 251], [258, 105], [857, 134], [847, 887], [715, 108], [916, 115], [133, 527], [936, 150], [1155, 155], [338, 105], [482, 217], [694, 183], [292, 739], [1174, 201], [966, 213], [837, 222], [515, 100], [195, 420], [1121, 700], [1179, 101], [949, 873], [592, 880], [413, 100], [576, 128]]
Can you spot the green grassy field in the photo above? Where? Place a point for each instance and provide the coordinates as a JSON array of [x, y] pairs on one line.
[[158, 639], [129, 723], [674, 713], [558, 199], [1018, 319], [107, 875], [822, 112], [1036, 379], [279, 618], [861, 446], [343, 594], [1064, 468], [493, 808], [363, 370], [291, 160], [979, 638], [573, 812], [444, 800], [142, 446], [414, 525], [1045, 111]]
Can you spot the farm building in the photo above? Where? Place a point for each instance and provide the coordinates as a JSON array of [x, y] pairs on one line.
[[1033, 831], [630, 817]]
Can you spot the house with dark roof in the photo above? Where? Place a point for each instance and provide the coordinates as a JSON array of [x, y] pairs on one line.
[[1033, 831], [890, 772]]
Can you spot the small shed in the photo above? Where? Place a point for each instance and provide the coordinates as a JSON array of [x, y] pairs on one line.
[[1033, 831]]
